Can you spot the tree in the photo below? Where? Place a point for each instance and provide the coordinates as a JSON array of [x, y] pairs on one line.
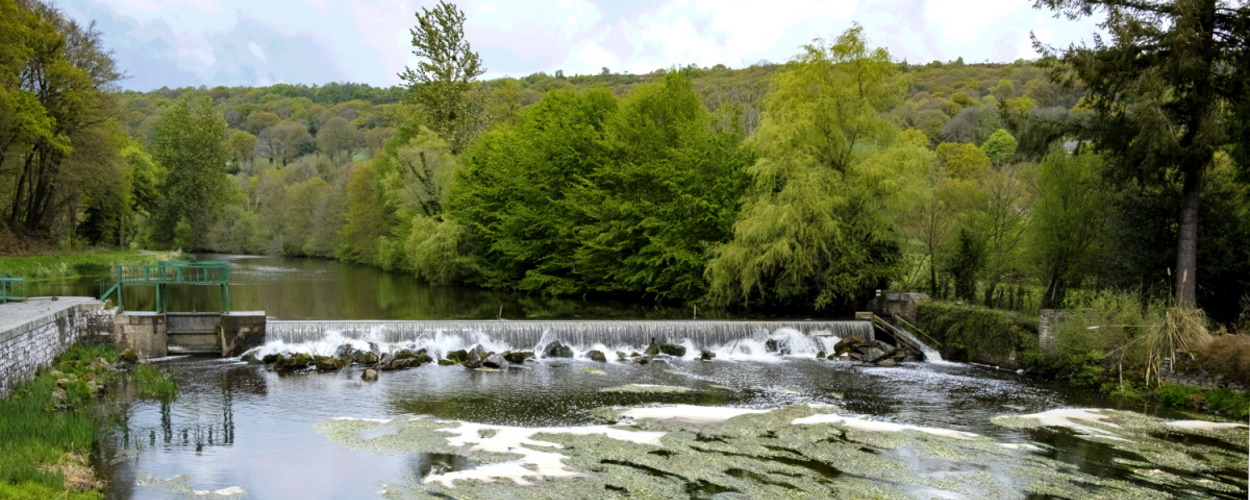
[[442, 81], [812, 230], [1000, 147], [190, 141], [337, 135], [1068, 218], [55, 117], [1163, 92]]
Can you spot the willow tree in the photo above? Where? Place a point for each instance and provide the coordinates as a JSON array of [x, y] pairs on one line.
[[1167, 90], [816, 228]]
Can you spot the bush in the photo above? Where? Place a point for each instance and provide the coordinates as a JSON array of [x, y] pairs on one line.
[[1227, 356], [978, 334]]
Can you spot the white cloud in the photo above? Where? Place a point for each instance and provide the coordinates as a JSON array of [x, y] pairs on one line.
[[229, 41]]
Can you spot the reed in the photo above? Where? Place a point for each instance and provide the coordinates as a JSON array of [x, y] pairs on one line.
[[1180, 332]]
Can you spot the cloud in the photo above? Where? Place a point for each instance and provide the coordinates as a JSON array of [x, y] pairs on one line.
[[245, 42]]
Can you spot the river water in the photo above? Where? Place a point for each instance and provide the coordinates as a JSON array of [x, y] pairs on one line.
[[748, 424]]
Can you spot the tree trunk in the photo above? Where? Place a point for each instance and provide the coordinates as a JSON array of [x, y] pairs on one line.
[[1187, 243]]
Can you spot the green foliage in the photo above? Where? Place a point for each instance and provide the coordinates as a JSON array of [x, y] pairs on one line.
[[816, 228], [1067, 221], [152, 383], [1000, 147], [1162, 91], [444, 77], [979, 334], [1234, 405], [189, 140], [511, 193]]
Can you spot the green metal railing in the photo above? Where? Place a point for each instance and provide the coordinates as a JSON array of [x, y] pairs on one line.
[[171, 272], [12, 290]]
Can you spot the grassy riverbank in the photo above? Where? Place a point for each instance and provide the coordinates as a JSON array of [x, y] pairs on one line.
[[1113, 344], [71, 265], [49, 424]]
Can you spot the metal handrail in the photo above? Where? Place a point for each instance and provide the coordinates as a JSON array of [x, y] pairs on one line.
[[12, 290], [915, 329]]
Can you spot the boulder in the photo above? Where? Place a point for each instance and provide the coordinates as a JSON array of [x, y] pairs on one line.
[[446, 362], [706, 355], [344, 351], [771, 345], [495, 361], [653, 349], [129, 357], [642, 360], [870, 354], [385, 360], [365, 358], [295, 362], [820, 355], [373, 348], [620, 356], [402, 364], [477, 355], [557, 350], [405, 354], [887, 363], [597, 356], [327, 364], [673, 350], [269, 359], [518, 357], [459, 356], [370, 375], [251, 359]]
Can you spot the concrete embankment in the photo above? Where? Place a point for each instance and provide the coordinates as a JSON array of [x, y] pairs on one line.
[[34, 332]]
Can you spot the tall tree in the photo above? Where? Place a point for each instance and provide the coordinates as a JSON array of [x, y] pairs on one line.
[[190, 141], [811, 231], [442, 81], [1164, 91]]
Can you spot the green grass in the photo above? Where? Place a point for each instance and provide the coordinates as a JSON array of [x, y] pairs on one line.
[[44, 267], [38, 429], [152, 383], [1234, 405]]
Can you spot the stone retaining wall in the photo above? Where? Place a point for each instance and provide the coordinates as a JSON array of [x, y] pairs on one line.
[[26, 347]]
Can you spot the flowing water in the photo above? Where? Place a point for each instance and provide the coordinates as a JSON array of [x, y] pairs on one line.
[[763, 419]]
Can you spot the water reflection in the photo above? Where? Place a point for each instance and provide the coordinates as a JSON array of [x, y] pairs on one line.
[[302, 289]]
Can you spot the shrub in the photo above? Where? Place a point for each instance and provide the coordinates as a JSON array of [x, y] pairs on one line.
[[1227, 356]]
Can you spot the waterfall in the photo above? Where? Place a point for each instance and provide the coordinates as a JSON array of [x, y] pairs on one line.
[[930, 354], [725, 338]]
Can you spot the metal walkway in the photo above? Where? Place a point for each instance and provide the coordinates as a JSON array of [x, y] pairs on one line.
[[171, 272]]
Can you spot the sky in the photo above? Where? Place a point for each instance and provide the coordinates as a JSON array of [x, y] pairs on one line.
[[180, 43]]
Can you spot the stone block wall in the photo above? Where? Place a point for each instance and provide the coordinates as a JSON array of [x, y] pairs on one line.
[[27, 347], [145, 333]]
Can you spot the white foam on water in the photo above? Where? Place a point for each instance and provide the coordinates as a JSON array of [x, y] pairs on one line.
[[861, 424], [689, 413], [1204, 425], [534, 463], [1077, 419]]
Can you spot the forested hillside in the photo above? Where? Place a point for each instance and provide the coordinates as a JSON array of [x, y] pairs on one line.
[[805, 185]]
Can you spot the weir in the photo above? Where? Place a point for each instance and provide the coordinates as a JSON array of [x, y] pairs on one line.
[[527, 334]]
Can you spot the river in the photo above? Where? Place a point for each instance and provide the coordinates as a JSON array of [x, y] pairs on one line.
[[748, 424]]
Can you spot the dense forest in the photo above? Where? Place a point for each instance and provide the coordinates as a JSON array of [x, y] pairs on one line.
[[802, 186]]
